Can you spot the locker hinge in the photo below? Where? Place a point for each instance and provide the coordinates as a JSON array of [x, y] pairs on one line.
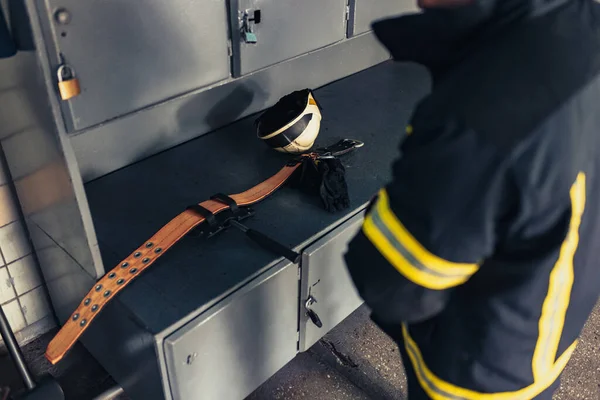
[[347, 13], [299, 272], [229, 48]]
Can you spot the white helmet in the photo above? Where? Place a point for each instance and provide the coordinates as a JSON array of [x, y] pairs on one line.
[[292, 125]]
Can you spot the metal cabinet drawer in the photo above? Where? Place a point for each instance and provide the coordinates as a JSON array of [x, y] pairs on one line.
[[131, 54], [364, 12], [326, 279], [287, 28], [231, 349]]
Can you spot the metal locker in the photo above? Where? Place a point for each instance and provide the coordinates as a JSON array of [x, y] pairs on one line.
[[265, 32], [327, 291], [232, 348], [364, 12], [128, 55]]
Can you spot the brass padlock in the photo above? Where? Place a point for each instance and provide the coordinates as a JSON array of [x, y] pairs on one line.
[[68, 84]]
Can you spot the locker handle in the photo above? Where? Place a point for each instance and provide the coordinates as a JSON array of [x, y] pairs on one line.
[[257, 17]]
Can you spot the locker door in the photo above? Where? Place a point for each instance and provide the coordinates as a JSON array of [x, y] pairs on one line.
[[131, 54], [326, 280], [282, 29]]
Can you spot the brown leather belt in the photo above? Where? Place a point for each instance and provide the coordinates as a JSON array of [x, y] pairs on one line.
[[145, 255]]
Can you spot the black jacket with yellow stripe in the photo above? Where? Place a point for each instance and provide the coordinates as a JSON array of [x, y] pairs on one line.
[[480, 256]]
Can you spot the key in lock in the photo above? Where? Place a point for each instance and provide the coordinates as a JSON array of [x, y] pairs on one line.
[[68, 84], [314, 317]]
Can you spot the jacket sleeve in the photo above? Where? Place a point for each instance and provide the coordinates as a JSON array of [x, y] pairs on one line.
[[430, 228]]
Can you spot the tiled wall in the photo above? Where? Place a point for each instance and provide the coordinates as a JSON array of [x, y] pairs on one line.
[[22, 293]]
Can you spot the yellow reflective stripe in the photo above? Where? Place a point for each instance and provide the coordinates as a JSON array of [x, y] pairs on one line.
[[398, 261], [404, 237], [555, 305], [409, 130], [439, 389], [407, 255]]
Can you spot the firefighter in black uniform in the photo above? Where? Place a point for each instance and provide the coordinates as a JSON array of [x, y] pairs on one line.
[[480, 257]]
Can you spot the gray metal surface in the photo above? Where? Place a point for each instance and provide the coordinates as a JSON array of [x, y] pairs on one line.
[[364, 12], [131, 204], [110, 394], [127, 351], [121, 142], [45, 173], [129, 55], [65, 279], [288, 29], [326, 279], [234, 347]]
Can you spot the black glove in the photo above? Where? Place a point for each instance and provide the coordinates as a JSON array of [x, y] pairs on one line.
[[327, 178]]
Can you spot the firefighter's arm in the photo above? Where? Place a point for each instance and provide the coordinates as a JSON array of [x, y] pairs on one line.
[[429, 230]]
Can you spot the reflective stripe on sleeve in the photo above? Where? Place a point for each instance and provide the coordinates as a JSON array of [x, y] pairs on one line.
[[407, 255]]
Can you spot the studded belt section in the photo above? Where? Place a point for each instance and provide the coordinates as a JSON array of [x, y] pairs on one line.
[[128, 269]]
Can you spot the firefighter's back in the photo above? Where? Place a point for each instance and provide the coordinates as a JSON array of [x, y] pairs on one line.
[[533, 95]]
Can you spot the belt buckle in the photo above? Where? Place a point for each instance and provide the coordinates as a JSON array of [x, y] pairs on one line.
[[207, 231]]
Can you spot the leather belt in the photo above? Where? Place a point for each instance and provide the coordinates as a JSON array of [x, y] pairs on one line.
[[144, 256]]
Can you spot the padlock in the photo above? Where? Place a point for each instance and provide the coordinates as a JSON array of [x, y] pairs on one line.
[[68, 84], [250, 37], [250, 18]]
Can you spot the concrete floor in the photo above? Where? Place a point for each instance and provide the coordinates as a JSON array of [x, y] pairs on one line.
[[80, 376], [355, 361]]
